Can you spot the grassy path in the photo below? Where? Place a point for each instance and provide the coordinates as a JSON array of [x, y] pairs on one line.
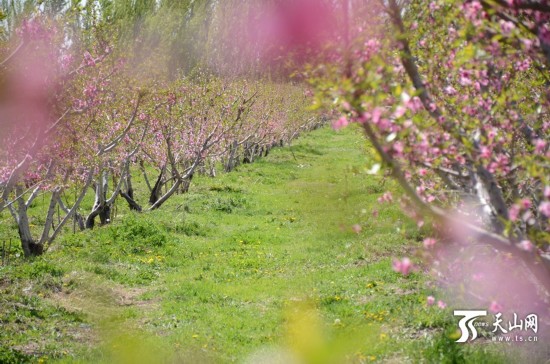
[[258, 264], [280, 235]]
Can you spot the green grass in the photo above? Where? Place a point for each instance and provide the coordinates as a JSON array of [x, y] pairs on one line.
[[257, 264]]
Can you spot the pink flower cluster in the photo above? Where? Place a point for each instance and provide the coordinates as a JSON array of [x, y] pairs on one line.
[[473, 11], [34, 29], [403, 266], [430, 301], [429, 242], [342, 122], [386, 197]]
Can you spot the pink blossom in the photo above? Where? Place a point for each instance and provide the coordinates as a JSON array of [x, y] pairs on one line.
[[429, 242], [525, 203], [90, 91], [356, 228], [364, 118], [88, 59], [399, 112], [415, 104], [523, 65], [441, 304], [340, 123], [66, 60], [540, 146], [373, 45], [403, 266], [430, 300], [526, 245], [473, 9], [527, 43], [34, 29], [527, 216], [450, 90], [513, 212], [384, 124], [546, 192], [433, 6], [506, 27], [288, 25], [452, 32], [485, 152], [465, 77], [544, 35], [398, 147], [376, 113], [544, 208], [495, 307], [386, 197]]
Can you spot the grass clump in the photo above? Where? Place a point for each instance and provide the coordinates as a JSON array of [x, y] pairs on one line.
[[139, 233]]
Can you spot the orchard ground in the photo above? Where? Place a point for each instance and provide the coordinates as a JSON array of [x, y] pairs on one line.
[[255, 265]]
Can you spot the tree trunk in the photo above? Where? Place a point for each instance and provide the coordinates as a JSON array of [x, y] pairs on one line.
[[100, 206], [105, 214], [232, 157], [185, 184], [156, 190], [80, 221], [90, 220], [128, 195], [131, 202], [28, 244]]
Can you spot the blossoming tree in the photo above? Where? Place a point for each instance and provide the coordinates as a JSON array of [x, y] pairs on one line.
[[454, 99]]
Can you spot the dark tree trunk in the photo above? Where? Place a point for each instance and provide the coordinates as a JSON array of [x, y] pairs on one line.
[[186, 184], [130, 199], [90, 220], [232, 157], [156, 191], [129, 194], [105, 214], [80, 221], [29, 246], [36, 249]]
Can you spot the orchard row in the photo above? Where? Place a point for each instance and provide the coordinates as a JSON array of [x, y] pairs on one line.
[[84, 124]]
